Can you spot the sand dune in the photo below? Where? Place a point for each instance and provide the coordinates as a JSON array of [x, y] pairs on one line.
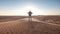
[[23, 26]]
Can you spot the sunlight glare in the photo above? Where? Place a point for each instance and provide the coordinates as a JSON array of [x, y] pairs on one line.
[[27, 8]]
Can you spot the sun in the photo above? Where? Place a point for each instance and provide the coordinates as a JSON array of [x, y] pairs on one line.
[[25, 9]]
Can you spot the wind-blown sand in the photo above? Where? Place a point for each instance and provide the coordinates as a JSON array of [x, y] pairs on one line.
[[23, 26]]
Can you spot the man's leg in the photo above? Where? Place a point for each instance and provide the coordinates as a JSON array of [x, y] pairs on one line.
[[30, 18]]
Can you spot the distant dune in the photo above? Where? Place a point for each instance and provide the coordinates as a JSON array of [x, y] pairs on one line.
[[10, 18], [50, 19], [21, 25]]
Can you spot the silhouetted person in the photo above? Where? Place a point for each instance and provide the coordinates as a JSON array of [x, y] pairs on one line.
[[30, 13], [30, 16]]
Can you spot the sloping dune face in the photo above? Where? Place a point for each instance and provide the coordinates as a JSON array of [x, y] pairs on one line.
[[49, 19], [23, 26]]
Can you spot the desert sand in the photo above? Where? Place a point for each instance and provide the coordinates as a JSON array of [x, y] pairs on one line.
[[21, 25]]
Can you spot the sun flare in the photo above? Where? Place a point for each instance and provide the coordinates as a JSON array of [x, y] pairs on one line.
[[24, 10]]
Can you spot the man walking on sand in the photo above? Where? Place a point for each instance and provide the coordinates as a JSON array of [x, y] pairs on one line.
[[30, 16]]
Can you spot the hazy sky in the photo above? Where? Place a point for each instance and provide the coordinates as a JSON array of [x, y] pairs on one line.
[[39, 7]]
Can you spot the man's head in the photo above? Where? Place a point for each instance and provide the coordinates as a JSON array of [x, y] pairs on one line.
[[30, 11]]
